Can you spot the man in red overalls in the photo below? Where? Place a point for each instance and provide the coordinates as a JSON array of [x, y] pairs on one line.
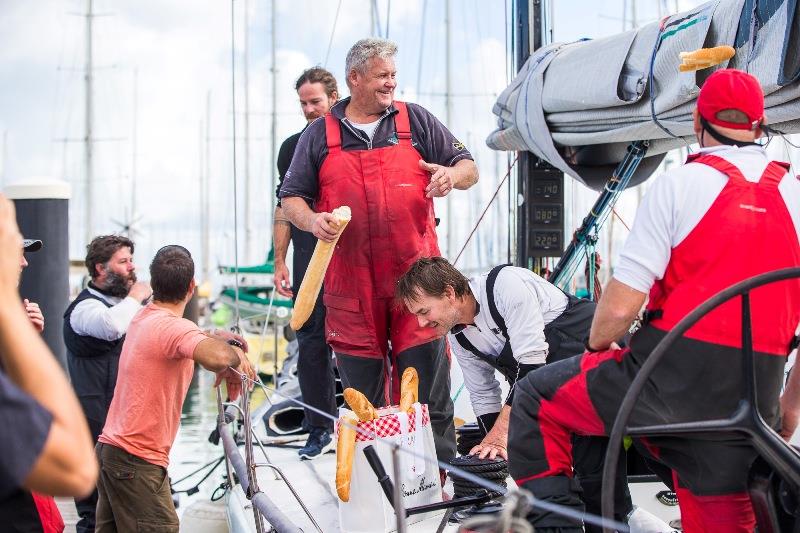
[[686, 245], [386, 160]]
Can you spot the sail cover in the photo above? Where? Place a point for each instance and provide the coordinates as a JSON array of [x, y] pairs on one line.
[[578, 105]]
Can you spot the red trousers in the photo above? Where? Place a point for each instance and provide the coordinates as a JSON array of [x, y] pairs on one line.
[[696, 381]]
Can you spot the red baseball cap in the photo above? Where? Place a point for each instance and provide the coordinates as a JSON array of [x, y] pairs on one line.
[[730, 89]]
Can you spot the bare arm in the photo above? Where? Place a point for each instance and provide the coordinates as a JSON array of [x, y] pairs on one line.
[[790, 403], [215, 355], [496, 441], [615, 313], [281, 236], [66, 466], [466, 174], [322, 225]]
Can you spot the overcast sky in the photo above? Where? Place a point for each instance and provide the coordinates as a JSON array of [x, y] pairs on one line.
[[181, 52]]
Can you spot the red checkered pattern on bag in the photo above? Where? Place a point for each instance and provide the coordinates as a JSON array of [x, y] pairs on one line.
[[388, 425]]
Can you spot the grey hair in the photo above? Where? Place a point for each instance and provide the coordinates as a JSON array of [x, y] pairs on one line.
[[365, 49]]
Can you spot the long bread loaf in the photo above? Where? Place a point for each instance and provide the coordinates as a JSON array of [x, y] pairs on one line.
[[312, 281], [345, 449], [360, 405], [705, 57], [409, 388]]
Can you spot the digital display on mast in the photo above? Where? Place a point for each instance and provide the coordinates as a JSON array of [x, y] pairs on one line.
[[545, 211]]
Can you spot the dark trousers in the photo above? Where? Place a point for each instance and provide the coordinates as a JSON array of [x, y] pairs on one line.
[[95, 407], [371, 376], [582, 395], [133, 495], [315, 369], [93, 379]]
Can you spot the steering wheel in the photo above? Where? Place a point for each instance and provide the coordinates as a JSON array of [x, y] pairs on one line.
[[746, 419]]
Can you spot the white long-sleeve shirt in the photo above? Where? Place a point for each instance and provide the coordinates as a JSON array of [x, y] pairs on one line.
[[675, 204], [90, 317], [527, 303]]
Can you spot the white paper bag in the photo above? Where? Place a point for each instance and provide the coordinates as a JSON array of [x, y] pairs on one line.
[[368, 510]]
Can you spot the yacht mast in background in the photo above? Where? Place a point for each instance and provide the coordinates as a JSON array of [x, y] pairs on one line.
[[448, 116], [248, 222], [273, 168], [87, 138]]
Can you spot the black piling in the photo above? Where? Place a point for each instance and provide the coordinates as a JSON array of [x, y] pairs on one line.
[[42, 213]]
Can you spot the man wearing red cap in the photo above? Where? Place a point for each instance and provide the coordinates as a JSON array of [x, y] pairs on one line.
[[685, 246]]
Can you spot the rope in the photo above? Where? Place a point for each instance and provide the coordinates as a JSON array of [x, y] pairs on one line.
[[333, 31], [264, 334], [488, 205], [651, 79], [544, 505], [614, 211]]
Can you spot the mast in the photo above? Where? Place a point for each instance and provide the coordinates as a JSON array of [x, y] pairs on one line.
[[87, 138], [248, 224], [274, 114], [448, 103], [134, 150], [206, 189], [540, 187], [522, 49], [5, 159]]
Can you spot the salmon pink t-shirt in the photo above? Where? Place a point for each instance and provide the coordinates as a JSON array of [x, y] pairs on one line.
[[155, 370]]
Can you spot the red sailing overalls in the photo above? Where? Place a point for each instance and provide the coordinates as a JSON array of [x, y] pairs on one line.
[[700, 266], [392, 226], [582, 395]]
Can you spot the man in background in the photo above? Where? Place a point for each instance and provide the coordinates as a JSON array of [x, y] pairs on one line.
[[317, 91], [45, 441], [94, 329], [27, 511], [32, 308]]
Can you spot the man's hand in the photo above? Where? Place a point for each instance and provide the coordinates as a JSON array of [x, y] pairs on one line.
[[140, 291], [35, 314], [10, 248], [325, 227], [496, 441], [442, 179], [282, 280], [225, 335], [491, 446], [233, 377], [789, 421]]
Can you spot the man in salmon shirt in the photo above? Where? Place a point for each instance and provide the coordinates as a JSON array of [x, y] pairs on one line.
[[386, 160], [157, 364]]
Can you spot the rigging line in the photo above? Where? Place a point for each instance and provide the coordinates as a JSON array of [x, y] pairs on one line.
[[548, 506], [496, 191], [235, 181], [333, 32], [614, 210]]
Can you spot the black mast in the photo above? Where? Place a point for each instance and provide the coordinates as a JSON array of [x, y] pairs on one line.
[[540, 214]]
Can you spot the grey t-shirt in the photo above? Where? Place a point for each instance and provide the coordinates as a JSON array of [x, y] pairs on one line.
[[429, 137], [25, 425]]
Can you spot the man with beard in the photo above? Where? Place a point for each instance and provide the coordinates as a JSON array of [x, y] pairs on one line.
[[317, 91], [94, 329]]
